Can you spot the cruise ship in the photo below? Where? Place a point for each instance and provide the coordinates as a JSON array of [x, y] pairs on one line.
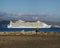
[[23, 24]]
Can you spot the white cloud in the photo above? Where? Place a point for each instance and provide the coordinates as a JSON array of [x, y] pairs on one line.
[[31, 16]]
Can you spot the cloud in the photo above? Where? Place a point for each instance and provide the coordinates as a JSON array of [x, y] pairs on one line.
[[29, 17]]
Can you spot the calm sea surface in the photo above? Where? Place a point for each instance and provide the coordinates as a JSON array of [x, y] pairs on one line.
[[29, 29]]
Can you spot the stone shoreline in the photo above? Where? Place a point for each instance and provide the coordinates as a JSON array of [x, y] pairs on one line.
[[30, 33]]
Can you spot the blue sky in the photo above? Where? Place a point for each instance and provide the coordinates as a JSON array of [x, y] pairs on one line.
[[28, 6], [50, 9]]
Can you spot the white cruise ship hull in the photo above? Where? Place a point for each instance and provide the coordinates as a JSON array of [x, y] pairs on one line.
[[22, 24]]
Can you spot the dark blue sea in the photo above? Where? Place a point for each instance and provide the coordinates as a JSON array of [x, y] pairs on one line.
[[30, 29], [3, 28]]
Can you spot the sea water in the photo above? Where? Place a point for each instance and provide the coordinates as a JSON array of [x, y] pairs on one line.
[[29, 29]]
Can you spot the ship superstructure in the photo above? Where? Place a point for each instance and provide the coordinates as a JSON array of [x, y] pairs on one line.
[[23, 24]]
